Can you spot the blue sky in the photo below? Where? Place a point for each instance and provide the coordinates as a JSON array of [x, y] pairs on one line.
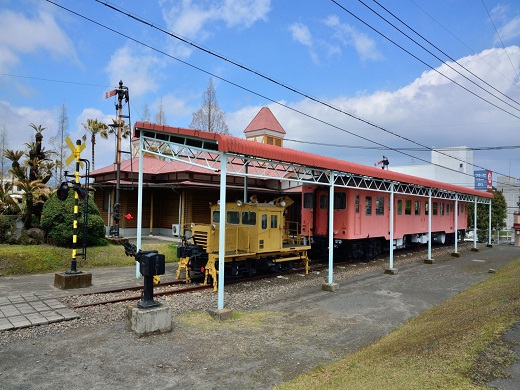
[[50, 57]]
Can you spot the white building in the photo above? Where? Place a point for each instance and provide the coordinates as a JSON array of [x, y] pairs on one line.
[[449, 165], [510, 187]]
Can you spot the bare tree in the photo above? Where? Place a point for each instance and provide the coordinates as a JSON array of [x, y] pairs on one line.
[[4, 144], [209, 117], [59, 145], [146, 114], [160, 117]]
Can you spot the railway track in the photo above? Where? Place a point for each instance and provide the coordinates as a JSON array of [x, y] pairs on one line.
[[180, 286]]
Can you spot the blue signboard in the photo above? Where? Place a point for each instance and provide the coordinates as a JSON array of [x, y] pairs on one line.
[[482, 180]]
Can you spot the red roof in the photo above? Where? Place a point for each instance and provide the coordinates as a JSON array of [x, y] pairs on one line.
[[230, 144], [151, 166], [264, 120]]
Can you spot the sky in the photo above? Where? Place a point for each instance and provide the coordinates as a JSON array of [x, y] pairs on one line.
[[341, 80]]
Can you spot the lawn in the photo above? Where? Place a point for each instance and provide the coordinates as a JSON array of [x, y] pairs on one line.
[[32, 259]]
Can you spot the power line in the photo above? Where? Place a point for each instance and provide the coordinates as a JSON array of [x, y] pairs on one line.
[[268, 78], [505, 147], [428, 65], [463, 43], [500, 38], [256, 93], [447, 55], [53, 80]]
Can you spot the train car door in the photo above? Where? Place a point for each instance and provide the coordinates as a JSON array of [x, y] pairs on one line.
[[357, 215], [322, 212]]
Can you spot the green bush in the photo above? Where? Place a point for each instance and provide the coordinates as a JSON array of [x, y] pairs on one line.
[[7, 224], [58, 217]]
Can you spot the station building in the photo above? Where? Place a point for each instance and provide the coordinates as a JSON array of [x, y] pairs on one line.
[[175, 194], [510, 188]]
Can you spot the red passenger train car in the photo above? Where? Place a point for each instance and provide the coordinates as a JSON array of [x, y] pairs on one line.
[[362, 220]]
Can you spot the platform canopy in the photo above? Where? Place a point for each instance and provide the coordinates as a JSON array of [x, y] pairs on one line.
[[253, 159]]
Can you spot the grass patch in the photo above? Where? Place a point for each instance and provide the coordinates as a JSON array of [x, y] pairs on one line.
[[204, 322], [455, 345], [32, 259]]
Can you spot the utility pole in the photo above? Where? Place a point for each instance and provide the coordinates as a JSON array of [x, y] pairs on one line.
[[122, 94]]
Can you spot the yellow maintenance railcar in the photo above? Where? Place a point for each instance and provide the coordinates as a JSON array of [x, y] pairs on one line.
[[258, 238]]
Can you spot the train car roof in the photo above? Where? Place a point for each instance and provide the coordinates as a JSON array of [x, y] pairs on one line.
[[230, 144]]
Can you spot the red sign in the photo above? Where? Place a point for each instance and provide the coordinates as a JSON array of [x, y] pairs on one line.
[[489, 179], [110, 93]]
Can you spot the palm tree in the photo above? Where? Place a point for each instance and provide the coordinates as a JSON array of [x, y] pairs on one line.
[[8, 205], [95, 127], [125, 129], [32, 191], [14, 156]]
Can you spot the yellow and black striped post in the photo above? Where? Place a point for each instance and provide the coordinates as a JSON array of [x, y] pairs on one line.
[[73, 267]]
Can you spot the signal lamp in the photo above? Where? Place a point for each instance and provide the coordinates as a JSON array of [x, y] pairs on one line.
[[63, 191], [81, 191]]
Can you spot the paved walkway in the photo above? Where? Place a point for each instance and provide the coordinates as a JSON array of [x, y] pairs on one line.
[[29, 309]]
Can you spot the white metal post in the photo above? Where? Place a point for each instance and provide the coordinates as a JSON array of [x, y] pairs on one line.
[[331, 226], [475, 224], [456, 223], [391, 266], [430, 224], [489, 235], [139, 203], [222, 231]]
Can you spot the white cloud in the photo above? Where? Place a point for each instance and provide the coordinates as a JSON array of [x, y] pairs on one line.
[[190, 18], [510, 30], [300, 33], [139, 70], [348, 35], [17, 122], [20, 34]]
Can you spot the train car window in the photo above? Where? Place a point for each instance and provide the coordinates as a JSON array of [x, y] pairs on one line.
[[380, 205], [216, 217], [448, 206], [274, 221], [340, 200], [417, 207], [426, 208], [233, 217], [308, 200], [408, 207], [442, 208], [435, 207], [248, 218], [399, 207], [357, 204], [264, 221], [368, 205], [324, 202]]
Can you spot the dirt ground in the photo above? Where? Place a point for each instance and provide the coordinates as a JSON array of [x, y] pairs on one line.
[[285, 336]]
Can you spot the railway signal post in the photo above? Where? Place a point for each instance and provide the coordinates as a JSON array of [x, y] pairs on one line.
[[73, 278]]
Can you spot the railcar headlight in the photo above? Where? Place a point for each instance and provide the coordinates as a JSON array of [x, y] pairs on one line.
[[192, 224], [282, 203], [213, 226], [239, 203], [338, 242]]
